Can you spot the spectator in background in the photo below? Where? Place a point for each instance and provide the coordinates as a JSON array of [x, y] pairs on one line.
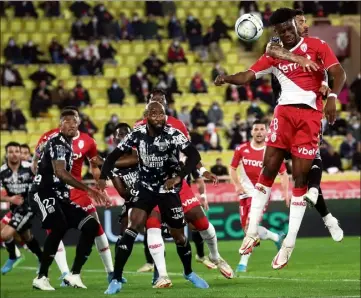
[[265, 92], [171, 110], [12, 52], [51, 8], [71, 51], [356, 90], [194, 32], [42, 75], [140, 85], [221, 29], [255, 110], [176, 53], [115, 93], [212, 140], [60, 96], [10, 76], [175, 30], [3, 6], [81, 96], [137, 26], [110, 126], [79, 65], [123, 28], [3, 120], [198, 85], [30, 53], [169, 8], [162, 84], [92, 29], [219, 169], [215, 114], [299, 5], [56, 51], [106, 51], [356, 158], [172, 83], [95, 66], [185, 116], [150, 30], [247, 7], [105, 20], [80, 9], [197, 138], [87, 126], [154, 8], [266, 14], [24, 9], [354, 127], [348, 146], [211, 43], [236, 93], [339, 127], [198, 116], [15, 117], [25, 153], [91, 50], [344, 97], [78, 30], [331, 161], [40, 100], [217, 70], [154, 65]]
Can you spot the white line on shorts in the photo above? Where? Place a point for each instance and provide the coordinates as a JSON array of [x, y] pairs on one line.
[[245, 277]]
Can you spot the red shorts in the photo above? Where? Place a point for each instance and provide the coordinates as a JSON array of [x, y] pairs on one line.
[[7, 217], [188, 198], [81, 198], [245, 209], [295, 130]]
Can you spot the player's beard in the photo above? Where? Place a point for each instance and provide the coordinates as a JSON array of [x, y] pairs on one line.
[[157, 129]]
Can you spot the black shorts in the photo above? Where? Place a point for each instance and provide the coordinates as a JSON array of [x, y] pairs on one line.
[[21, 218], [55, 209], [169, 204]]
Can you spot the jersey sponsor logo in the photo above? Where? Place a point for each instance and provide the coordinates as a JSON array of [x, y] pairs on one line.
[[305, 151], [154, 246], [246, 151], [251, 162], [286, 68], [190, 201], [260, 188], [89, 207], [302, 203], [304, 47], [81, 144]]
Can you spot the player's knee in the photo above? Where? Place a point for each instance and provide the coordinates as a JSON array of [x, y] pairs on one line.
[[26, 236], [7, 233], [178, 236], [153, 223], [300, 180], [90, 227]]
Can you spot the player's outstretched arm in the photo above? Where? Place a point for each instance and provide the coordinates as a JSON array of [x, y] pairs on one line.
[[275, 50], [239, 78], [16, 200], [108, 165], [127, 161], [235, 180]]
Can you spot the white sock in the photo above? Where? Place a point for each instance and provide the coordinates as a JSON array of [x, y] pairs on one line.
[[244, 259], [102, 245], [297, 211], [265, 234], [156, 249], [60, 259], [17, 252], [210, 237], [259, 201], [327, 217]]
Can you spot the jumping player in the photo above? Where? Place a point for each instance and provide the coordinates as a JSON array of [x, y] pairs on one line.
[[84, 147], [160, 178], [16, 178], [248, 157], [296, 123], [50, 197], [314, 194]]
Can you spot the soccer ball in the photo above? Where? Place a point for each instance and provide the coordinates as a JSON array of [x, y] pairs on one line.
[[249, 27]]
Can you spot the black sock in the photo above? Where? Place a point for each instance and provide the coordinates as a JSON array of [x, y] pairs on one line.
[[10, 247], [123, 251], [199, 243], [84, 247], [50, 248], [185, 254], [148, 256], [315, 174], [34, 247], [321, 204]]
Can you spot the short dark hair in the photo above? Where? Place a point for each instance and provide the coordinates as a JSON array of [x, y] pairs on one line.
[[282, 15], [11, 144], [157, 91], [257, 121], [26, 146], [122, 125], [299, 12], [65, 113]]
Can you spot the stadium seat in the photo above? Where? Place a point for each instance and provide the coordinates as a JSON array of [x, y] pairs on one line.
[[31, 26]]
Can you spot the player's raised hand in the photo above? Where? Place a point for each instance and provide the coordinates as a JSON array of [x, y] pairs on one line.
[[100, 197], [330, 109], [101, 184], [219, 81], [170, 183], [210, 176], [17, 200], [307, 64], [204, 202], [325, 90]]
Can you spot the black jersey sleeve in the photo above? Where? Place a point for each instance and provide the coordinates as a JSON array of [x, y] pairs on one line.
[[193, 158]]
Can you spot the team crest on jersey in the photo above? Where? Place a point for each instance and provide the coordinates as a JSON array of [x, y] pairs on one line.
[[81, 144], [273, 137], [162, 146], [304, 47]]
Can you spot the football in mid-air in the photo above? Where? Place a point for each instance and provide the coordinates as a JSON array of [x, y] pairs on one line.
[[249, 27]]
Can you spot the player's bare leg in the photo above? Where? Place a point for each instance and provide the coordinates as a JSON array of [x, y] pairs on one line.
[[272, 161], [300, 170], [200, 222]]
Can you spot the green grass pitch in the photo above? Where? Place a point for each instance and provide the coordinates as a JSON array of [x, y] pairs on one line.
[[319, 267]]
